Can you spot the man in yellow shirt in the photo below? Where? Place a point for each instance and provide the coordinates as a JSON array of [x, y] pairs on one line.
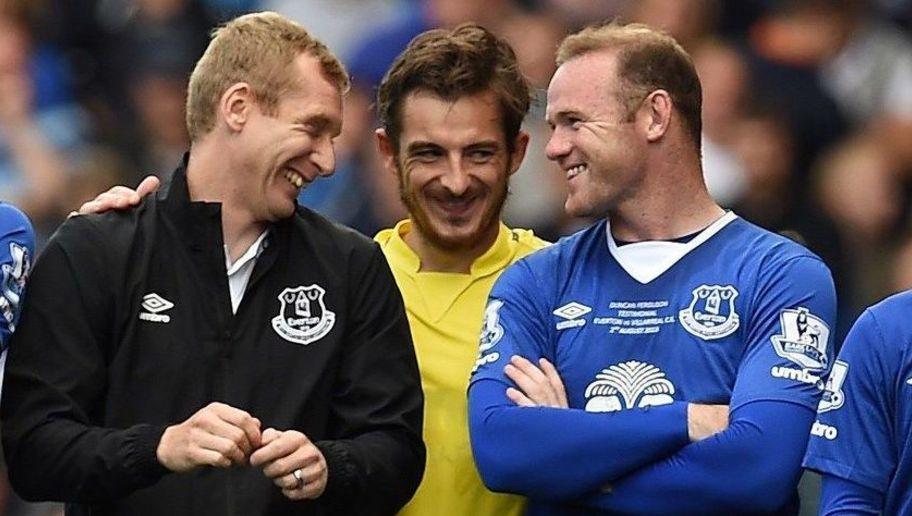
[[451, 106]]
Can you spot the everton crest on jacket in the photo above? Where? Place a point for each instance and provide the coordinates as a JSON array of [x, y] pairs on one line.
[[129, 328]]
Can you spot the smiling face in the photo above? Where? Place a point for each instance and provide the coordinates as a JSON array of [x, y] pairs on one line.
[[288, 149], [594, 140], [453, 165]]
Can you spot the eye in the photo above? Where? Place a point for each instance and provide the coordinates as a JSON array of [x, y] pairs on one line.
[[481, 155], [426, 155]]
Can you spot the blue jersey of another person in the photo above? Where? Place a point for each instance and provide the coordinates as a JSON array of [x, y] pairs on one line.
[[736, 315], [862, 439], [17, 250]]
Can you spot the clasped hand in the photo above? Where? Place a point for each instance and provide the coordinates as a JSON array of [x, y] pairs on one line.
[[222, 436]]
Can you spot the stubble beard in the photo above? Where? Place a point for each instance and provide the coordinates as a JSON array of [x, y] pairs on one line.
[[423, 225]]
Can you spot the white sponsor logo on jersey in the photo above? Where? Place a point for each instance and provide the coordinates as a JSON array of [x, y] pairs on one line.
[[628, 385], [154, 304], [799, 375], [491, 333], [833, 397], [826, 431], [803, 339], [572, 313], [303, 317], [711, 314]]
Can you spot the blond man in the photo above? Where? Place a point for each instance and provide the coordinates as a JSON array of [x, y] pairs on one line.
[[217, 349]]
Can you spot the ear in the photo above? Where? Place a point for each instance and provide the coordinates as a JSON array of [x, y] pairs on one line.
[[387, 151], [519, 151], [655, 115], [236, 105]]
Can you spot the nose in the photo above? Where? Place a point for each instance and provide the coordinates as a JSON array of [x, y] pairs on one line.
[[324, 156], [558, 145], [455, 178]]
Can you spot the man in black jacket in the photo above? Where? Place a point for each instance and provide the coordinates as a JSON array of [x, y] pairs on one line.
[[217, 350]]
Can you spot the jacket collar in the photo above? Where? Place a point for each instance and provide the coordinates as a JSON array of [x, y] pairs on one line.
[[198, 223]]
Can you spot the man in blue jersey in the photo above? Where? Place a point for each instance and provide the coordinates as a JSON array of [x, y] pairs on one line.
[[17, 248], [861, 441], [601, 357]]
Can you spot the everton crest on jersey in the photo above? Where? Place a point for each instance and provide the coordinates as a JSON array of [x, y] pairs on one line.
[[734, 315]]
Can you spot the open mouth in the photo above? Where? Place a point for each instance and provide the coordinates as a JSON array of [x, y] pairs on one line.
[[294, 177], [576, 170]]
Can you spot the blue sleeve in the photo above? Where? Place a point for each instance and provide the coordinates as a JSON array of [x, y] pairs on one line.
[[752, 467], [17, 249], [840, 497], [551, 453], [852, 438], [787, 343]]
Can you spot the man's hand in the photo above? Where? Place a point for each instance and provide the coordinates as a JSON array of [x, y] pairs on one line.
[[119, 197], [293, 463], [217, 435], [538, 387], [705, 420]]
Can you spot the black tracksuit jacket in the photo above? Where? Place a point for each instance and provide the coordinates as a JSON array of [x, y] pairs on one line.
[[95, 375]]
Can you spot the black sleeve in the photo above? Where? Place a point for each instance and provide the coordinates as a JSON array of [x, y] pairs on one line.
[[56, 380], [376, 465]]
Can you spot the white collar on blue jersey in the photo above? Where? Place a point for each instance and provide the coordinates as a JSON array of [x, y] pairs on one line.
[[646, 261]]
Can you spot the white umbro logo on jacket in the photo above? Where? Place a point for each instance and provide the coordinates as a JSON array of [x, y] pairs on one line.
[[153, 304]]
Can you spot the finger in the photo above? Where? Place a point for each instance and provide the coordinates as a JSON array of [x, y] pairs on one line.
[[225, 447], [283, 446], [529, 368], [554, 378], [207, 457], [89, 207], [300, 458], [519, 398], [243, 420], [221, 428], [269, 435], [147, 186], [288, 482], [537, 391]]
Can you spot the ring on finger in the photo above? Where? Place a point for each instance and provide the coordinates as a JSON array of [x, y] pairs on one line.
[[299, 476]]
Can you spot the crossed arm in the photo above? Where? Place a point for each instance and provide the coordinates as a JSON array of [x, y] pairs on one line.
[[703, 477]]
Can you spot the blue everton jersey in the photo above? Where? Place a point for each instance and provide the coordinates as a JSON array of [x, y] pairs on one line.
[[735, 315], [863, 431], [17, 248]]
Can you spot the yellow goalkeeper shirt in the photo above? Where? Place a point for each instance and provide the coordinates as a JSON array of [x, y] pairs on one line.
[[445, 312]]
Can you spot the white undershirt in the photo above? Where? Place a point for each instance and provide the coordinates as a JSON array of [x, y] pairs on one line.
[[239, 272]]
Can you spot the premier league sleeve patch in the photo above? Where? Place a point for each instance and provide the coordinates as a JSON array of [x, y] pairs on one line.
[[803, 339]]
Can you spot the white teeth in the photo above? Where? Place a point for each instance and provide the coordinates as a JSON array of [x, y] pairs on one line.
[[574, 171], [294, 178]]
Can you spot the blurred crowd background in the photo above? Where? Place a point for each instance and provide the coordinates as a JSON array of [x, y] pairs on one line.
[[807, 112]]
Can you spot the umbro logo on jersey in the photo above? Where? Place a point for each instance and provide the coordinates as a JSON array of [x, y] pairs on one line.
[[909, 381], [154, 304], [572, 313]]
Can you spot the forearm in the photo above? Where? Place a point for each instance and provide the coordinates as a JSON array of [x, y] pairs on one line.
[[86, 464], [753, 466], [555, 454], [378, 471]]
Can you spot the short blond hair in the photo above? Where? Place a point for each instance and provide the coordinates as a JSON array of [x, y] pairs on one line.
[[258, 49], [648, 60]]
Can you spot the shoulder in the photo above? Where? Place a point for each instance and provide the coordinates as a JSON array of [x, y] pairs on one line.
[[773, 256], [16, 227], [330, 237], [889, 317]]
